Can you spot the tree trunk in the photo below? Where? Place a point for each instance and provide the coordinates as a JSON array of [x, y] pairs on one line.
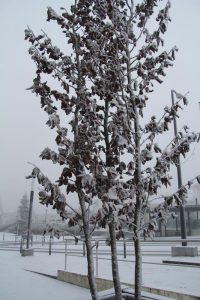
[[88, 243], [138, 183], [85, 218], [115, 268], [138, 269]]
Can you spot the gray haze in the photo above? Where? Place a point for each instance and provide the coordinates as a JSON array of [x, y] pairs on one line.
[[22, 123]]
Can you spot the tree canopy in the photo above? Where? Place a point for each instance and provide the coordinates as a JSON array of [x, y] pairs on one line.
[[103, 87]]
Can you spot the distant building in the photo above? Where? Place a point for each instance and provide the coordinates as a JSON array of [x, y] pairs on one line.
[[192, 216]]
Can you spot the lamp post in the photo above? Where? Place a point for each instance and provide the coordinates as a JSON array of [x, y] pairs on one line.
[[179, 176], [30, 209], [29, 251]]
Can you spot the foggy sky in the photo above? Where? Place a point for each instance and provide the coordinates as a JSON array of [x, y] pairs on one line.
[[22, 123]]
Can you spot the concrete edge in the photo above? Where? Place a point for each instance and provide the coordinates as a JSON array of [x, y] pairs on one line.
[[104, 284], [43, 274], [186, 263], [130, 291], [82, 280]]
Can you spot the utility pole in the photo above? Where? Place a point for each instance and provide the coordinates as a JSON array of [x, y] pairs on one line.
[[179, 177]]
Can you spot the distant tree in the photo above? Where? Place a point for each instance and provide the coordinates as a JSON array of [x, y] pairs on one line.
[[22, 215], [109, 153]]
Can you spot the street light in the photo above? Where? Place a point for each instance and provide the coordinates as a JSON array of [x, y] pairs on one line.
[[179, 176], [30, 209], [28, 251]]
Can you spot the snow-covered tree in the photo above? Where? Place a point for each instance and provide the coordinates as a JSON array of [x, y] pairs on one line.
[[110, 153], [74, 150], [22, 215]]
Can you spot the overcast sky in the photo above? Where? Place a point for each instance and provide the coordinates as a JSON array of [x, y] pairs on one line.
[[22, 123]]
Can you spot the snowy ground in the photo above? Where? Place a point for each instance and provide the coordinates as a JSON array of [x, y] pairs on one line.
[[17, 283]]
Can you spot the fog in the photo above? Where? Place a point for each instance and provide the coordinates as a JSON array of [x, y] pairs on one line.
[[22, 123]]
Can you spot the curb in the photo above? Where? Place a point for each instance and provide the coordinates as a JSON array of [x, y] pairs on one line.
[[186, 263], [43, 274]]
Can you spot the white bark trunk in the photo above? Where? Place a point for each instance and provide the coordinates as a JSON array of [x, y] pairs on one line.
[[138, 269], [137, 182], [115, 268], [88, 243]]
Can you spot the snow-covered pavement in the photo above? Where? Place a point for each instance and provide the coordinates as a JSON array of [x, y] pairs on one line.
[[16, 283]]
